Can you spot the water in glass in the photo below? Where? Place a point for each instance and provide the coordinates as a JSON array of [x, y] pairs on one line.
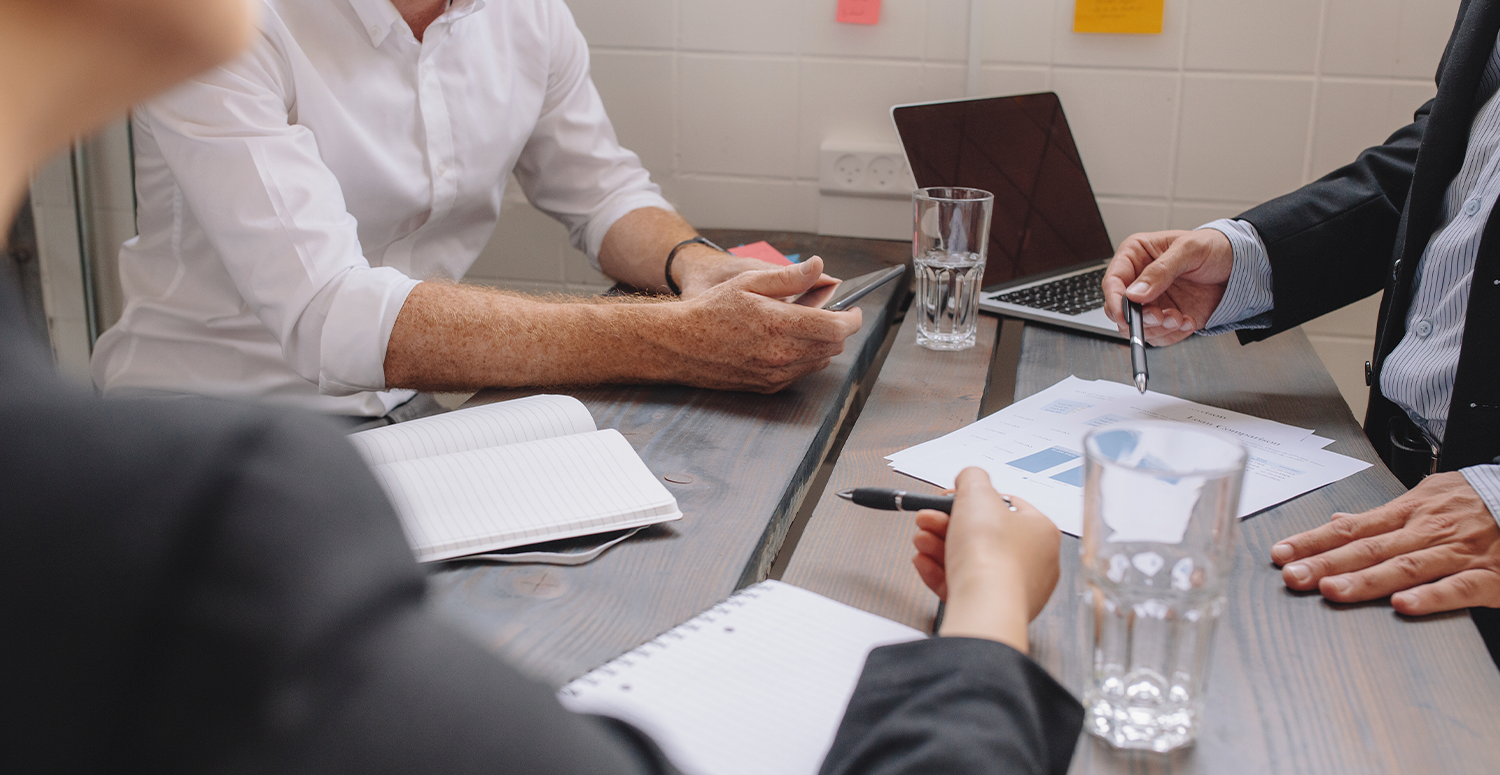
[[947, 299]]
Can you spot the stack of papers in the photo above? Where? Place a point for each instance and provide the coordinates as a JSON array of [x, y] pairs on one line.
[[1034, 448]]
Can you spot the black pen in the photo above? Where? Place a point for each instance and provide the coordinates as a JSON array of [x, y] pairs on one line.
[[1136, 320], [896, 500]]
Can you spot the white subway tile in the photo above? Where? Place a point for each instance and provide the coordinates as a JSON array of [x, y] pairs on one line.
[[851, 101], [579, 273], [1005, 80], [637, 92], [1242, 138], [1122, 122], [738, 115], [1387, 37], [1345, 360], [1354, 115], [1261, 36], [901, 33], [718, 203], [1124, 218], [1356, 320], [52, 183], [868, 217], [1020, 31], [109, 168], [1191, 215], [527, 245], [636, 24], [1163, 51], [948, 30], [759, 27]]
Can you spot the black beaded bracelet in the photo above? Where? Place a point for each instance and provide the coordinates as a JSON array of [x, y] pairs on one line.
[[672, 284]]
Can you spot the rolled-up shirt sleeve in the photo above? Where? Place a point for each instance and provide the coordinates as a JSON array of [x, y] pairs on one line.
[[1247, 299], [276, 216], [573, 167]]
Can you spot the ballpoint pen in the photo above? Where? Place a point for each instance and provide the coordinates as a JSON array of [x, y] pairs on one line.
[[1136, 320], [887, 499]]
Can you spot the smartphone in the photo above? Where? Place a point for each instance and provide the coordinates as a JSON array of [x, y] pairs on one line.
[[843, 294]]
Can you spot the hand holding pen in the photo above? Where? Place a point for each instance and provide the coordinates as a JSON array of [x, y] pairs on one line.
[[994, 561]]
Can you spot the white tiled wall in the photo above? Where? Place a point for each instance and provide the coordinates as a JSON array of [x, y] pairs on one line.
[[727, 102], [1235, 102]]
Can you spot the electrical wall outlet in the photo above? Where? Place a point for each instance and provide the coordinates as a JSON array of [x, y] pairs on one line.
[[863, 169]]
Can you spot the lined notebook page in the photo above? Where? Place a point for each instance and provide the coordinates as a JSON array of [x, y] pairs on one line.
[[486, 499], [754, 685], [491, 425]]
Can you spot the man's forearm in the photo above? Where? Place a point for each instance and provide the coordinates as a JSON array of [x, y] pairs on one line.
[[465, 337], [735, 336]]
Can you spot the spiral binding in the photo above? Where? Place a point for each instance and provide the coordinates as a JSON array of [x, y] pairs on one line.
[[661, 642]]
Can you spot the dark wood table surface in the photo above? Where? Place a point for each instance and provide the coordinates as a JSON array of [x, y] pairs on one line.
[[1298, 685], [749, 458]]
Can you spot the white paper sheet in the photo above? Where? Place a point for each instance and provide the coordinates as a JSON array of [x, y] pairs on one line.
[[1034, 448]]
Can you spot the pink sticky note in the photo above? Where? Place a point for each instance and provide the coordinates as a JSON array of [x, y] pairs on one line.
[[763, 251], [858, 12]]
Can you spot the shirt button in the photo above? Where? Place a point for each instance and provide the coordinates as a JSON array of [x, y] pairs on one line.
[[1424, 327], [1471, 207]]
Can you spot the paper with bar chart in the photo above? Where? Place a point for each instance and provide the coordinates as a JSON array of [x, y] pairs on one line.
[[1034, 447]]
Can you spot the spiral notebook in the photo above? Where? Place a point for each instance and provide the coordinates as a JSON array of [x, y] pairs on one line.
[[511, 474], [757, 684]]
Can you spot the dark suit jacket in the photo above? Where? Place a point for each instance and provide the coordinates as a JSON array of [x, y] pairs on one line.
[[203, 587], [1363, 228]]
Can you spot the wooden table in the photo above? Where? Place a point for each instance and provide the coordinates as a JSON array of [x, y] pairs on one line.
[[748, 461], [1298, 685]]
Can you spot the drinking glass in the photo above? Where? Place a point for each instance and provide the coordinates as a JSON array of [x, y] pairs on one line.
[[951, 237], [1159, 520]]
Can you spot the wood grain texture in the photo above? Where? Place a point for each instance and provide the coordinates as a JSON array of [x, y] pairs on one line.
[[750, 458], [1297, 685], [862, 557]]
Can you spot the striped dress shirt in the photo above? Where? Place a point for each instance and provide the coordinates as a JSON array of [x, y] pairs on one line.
[[1418, 375]]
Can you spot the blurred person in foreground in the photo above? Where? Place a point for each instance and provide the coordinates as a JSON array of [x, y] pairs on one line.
[[1415, 217], [199, 586]]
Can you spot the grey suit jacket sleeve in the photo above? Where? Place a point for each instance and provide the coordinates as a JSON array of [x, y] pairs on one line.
[[955, 706]]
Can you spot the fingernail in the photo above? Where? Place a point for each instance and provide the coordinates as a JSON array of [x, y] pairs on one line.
[[1340, 585], [1185, 326], [1404, 599], [1151, 319], [1281, 552], [1138, 288], [806, 266], [1299, 572]]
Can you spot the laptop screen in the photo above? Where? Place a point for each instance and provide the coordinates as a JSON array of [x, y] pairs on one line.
[[1020, 149]]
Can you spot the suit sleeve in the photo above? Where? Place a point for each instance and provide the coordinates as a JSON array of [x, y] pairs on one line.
[[955, 705], [304, 642]]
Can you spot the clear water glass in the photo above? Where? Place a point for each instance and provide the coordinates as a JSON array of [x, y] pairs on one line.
[[949, 243], [1159, 522]]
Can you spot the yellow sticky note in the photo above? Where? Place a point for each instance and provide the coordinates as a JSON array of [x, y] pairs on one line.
[[1140, 17]]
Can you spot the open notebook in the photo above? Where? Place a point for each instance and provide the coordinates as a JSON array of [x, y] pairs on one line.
[[757, 684], [510, 474]]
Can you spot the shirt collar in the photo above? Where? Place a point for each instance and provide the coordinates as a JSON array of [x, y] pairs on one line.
[[379, 16]]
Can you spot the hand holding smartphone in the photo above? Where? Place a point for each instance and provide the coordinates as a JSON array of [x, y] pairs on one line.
[[843, 294]]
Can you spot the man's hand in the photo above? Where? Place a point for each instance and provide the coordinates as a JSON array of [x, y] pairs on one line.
[[995, 567], [1178, 276], [739, 335], [1436, 548], [699, 268]]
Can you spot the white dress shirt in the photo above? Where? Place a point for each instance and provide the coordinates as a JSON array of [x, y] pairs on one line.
[[1419, 373], [289, 201]]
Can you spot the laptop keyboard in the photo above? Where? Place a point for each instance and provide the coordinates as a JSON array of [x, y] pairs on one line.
[[1068, 296]]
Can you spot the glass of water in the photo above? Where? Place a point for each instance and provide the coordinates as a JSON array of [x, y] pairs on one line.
[[948, 247], [1160, 512]]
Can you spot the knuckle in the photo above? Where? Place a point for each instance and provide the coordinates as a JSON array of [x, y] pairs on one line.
[[1343, 529], [1408, 567], [1464, 587]]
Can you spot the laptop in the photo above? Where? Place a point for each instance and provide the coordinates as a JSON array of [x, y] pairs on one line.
[[1048, 245]]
